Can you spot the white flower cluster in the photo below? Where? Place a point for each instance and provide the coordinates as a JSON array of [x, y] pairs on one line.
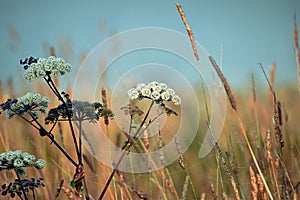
[[159, 92], [51, 66], [31, 102], [18, 160]]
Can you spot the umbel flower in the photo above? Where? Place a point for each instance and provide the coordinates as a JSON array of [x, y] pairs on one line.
[[32, 103], [14, 189], [41, 67], [159, 92], [79, 111], [19, 161]]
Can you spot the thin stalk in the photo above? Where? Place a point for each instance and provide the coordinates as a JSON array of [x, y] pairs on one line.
[[112, 174], [241, 125], [154, 179], [253, 156], [52, 140], [145, 118], [60, 98], [131, 164], [126, 146], [110, 155], [80, 141], [53, 88], [20, 197], [33, 193], [22, 188], [80, 151], [51, 137]]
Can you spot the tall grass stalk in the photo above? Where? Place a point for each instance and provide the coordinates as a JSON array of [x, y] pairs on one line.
[[240, 123]]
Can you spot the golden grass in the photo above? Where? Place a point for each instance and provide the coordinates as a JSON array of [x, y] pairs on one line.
[[249, 162]]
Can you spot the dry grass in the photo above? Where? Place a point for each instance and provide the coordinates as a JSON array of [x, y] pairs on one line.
[[280, 172], [257, 156]]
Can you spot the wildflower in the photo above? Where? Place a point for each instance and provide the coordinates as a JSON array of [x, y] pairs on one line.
[[134, 94], [20, 170], [28, 158], [146, 92], [165, 96], [141, 86], [79, 111], [176, 100], [48, 67], [15, 188], [153, 84], [11, 155], [163, 86], [41, 67], [157, 88], [30, 103], [19, 161], [68, 67], [155, 95], [39, 164], [170, 91], [158, 92]]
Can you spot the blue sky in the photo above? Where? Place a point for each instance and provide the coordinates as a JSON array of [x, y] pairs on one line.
[[248, 31]]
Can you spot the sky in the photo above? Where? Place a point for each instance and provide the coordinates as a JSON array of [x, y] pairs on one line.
[[248, 32]]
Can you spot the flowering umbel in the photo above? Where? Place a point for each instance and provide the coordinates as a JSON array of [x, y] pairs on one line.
[[159, 92], [79, 111], [32, 103], [19, 161], [41, 67], [14, 189]]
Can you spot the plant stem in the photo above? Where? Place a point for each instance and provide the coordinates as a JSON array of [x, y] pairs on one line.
[[20, 197], [80, 141], [253, 155], [126, 146], [33, 193], [112, 174], [87, 196], [22, 188], [143, 122], [60, 98], [69, 115], [49, 135]]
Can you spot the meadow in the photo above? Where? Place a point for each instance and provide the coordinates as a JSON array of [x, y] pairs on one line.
[[256, 157]]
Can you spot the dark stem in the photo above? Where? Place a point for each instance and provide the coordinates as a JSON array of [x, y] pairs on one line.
[[127, 145], [78, 148], [87, 196], [54, 124], [152, 120], [130, 125], [62, 150], [53, 88], [33, 194], [113, 172], [29, 122], [49, 135], [60, 98], [80, 142], [21, 186], [20, 196], [143, 122]]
